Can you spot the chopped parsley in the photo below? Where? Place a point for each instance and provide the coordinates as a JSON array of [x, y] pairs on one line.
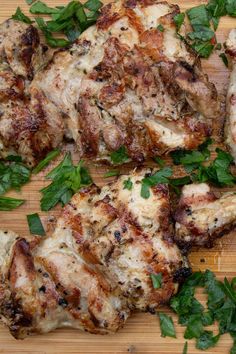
[[13, 174], [221, 308], [120, 156], [167, 326], [71, 19], [160, 28], [111, 173], [156, 280], [128, 184], [45, 162], [224, 59], [179, 20], [35, 225], [7, 204], [67, 179]]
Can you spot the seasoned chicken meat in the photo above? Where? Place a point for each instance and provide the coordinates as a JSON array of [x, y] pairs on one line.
[[201, 216], [96, 267], [230, 126], [126, 83], [30, 125]]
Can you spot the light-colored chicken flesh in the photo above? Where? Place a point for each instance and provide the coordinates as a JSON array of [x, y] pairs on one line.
[[202, 216], [122, 83], [230, 126], [95, 269]]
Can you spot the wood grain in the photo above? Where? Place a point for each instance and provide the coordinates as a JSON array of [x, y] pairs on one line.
[[142, 333]]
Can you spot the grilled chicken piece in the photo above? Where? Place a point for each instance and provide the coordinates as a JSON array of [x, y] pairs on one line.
[[230, 126], [30, 125], [124, 82], [201, 216], [95, 268]]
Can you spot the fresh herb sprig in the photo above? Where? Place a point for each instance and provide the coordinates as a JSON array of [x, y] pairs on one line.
[[35, 225], [7, 203], [13, 174], [204, 20], [71, 20], [221, 308], [67, 179]]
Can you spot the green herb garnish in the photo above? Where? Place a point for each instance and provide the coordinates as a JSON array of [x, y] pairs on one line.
[[156, 280], [45, 162], [7, 204], [13, 175], [111, 173], [160, 28], [167, 326], [224, 59], [120, 156], [35, 225], [19, 16], [179, 20], [67, 179], [128, 184]]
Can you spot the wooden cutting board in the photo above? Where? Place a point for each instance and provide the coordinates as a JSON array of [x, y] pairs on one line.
[[141, 334]]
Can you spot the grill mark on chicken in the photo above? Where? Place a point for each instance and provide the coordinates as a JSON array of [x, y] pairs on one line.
[[94, 270], [136, 80]]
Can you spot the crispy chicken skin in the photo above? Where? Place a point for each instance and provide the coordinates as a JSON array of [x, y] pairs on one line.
[[201, 216], [30, 125], [95, 268], [230, 126], [124, 82]]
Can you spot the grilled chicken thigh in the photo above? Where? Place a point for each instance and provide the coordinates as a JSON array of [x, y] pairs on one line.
[[201, 216], [30, 125], [95, 268], [230, 127], [126, 83]]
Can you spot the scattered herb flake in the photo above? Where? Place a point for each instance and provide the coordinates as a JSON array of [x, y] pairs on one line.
[[120, 156], [128, 184], [45, 162], [224, 59], [35, 225], [7, 204], [167, 325], [179, 20], [156, 280]]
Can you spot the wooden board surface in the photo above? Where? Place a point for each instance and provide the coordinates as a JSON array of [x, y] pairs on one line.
[[141, 334]]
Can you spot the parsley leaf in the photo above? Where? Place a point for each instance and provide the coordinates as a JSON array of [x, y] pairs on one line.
[[35, 225], [185, 350], [19, 16], [167, 326], [179, 20], [159, 161], [120, 156], [160, 28], [224, 59], [207, 340], [156, 280], [13, 175], [7, 204], [128, 184], [40, 7], [160, 177], [111, 174], [45, 162], [93, 5], [231, 7], [67, 179], [198, 17]]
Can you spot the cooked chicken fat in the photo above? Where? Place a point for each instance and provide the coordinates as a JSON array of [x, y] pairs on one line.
[[201, 216], [96, 267]]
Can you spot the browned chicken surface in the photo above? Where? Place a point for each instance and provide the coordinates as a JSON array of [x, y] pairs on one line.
[[30, 124], [202, 216], [122, 83], [230, 126], [96, 267]]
